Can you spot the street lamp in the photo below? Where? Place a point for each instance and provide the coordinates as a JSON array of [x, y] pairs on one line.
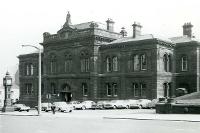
[[39, 77]]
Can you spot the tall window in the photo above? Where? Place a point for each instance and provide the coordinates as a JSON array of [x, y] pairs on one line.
[[167, 61], [136, 89], [136, 63], [143, 62], [53, 88], [68, 65], [108, 64], [27, 69], [115, 63], [143, 89], [53, 64], [114, 89], [31, 67], [109, 90], [184, 63], [29, 88], [85, 89], [68, 62], [85, 62], [165, 88]]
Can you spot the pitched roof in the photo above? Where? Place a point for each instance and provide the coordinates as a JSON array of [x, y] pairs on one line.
[[142, 37], [183, 39]]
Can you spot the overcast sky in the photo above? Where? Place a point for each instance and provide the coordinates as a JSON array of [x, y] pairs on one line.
[[24, 21]]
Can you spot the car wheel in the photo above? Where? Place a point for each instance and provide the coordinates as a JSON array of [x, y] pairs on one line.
[[115, 107], [27, 110], [140, 106], [83, 108], [127, 107], [70, 111]]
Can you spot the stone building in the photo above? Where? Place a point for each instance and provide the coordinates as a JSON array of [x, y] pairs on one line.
[[90, 61]]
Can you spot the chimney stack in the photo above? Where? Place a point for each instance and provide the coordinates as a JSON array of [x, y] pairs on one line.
[[123, 32], [110, 25], [136, 29], [187, 29]]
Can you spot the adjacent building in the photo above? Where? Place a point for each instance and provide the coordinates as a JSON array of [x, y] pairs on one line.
[[90, 61]]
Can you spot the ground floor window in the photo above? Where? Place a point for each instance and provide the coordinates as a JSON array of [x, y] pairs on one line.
[[29, 88], [85, 89], [108, 88], [114, 89], [139, 89]]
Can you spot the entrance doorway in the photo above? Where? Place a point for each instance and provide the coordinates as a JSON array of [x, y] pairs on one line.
[[66, 94]]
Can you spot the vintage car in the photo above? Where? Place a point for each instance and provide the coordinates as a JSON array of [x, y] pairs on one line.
[[21, 107], [62, 107]]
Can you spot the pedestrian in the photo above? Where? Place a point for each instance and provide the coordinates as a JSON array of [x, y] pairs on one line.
[[53, 108]]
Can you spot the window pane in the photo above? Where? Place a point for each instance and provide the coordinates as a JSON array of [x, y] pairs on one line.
[[115, 89], [136, 65], [143, 62], [115, 64]]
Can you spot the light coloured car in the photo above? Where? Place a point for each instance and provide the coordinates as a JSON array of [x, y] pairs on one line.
[[46, 107], [153, 103], [115, 104], [143, 103], [63, 107], [76, 104], [88, 105], [131, 103], [21, 107]]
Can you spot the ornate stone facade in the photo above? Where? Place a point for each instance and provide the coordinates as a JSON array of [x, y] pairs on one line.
[[90, 61]]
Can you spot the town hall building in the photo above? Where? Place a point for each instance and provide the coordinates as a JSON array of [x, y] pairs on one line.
[[90, 61]]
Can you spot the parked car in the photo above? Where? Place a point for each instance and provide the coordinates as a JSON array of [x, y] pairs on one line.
[[46, 107], [88, 105], [21, 107], [143, 103], [63, 107], [115, 104], [76, 104], [100, 104], [131, 104], [153, 103]]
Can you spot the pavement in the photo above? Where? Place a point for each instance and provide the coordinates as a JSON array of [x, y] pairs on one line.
[[113, 114]]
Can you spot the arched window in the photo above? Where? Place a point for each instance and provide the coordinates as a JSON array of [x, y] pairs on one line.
[[165, 61], [136, 63], [143, 62], [53, 64], [27, 69], [108, 64], [165, 88], [85, 62], [115, 63], [68, 62], [184, 63], [31, 67]]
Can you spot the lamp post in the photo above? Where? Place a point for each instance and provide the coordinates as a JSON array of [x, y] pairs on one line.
[[39, 77], [7, 82]]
